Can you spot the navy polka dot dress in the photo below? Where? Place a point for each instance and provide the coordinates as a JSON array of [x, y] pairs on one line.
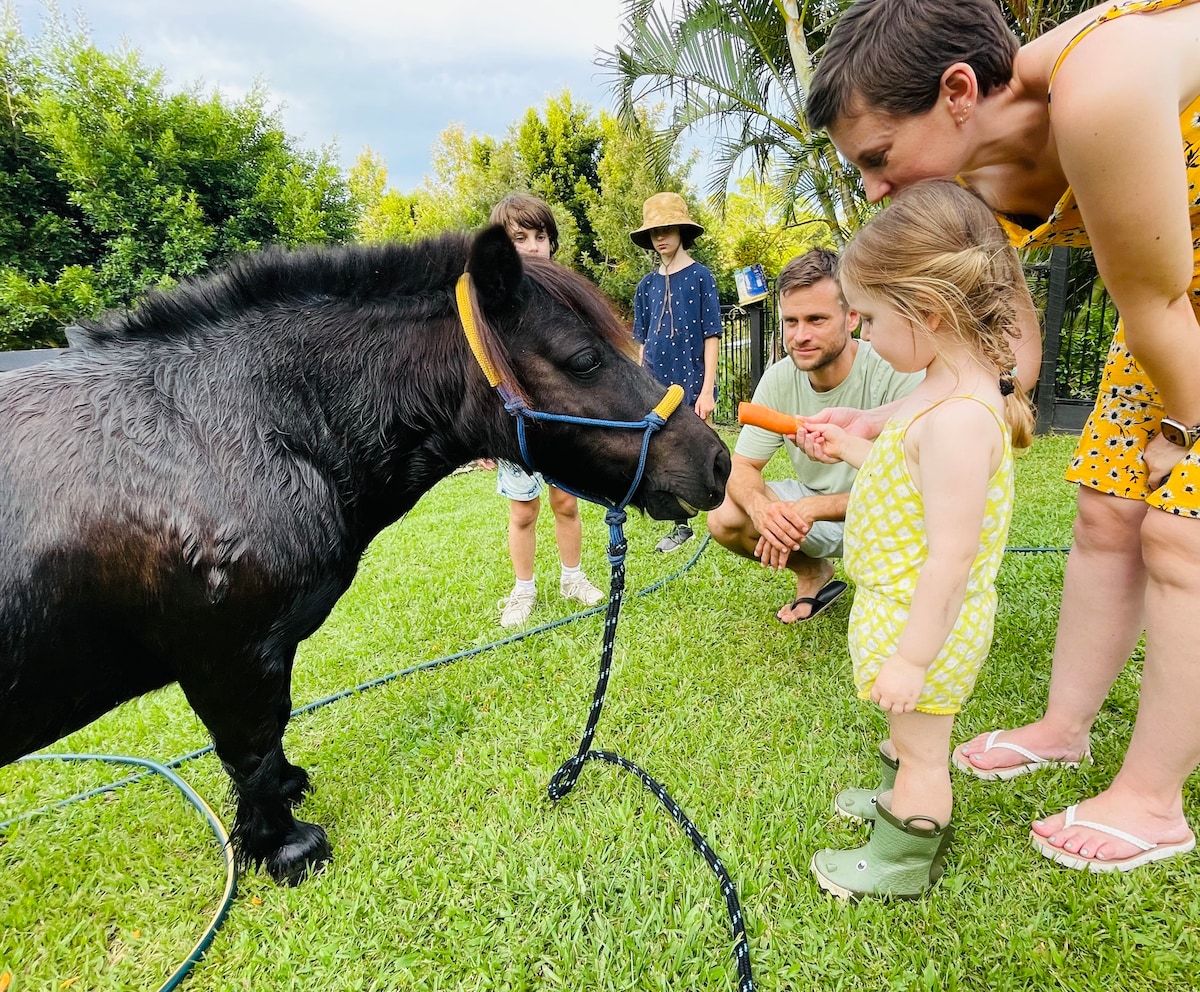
[[672, 315]]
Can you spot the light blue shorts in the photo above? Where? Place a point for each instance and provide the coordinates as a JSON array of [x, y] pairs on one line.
[[824, 538], [514, 482]]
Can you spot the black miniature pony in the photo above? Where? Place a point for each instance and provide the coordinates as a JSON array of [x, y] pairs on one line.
[[186, 492]]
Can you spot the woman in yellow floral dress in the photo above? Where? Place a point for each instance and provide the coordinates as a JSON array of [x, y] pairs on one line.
[[1112, 162]]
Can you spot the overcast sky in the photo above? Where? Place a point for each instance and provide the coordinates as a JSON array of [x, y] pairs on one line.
[[391, 74]]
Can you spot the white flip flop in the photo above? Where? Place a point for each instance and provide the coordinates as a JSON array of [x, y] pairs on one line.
[[1033, 762], [1147, 851]]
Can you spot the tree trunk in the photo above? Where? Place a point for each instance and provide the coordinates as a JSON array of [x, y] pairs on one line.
[[801, 58]]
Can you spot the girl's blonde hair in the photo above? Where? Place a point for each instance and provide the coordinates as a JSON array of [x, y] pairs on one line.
[[937, 250]]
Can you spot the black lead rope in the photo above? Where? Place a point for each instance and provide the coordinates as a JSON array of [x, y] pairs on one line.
[[565, 778]]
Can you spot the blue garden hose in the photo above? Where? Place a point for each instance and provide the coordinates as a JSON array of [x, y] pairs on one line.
[[218, 829], [214, 824]]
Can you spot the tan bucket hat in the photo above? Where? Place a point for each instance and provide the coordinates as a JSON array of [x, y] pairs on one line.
[[665, 210]]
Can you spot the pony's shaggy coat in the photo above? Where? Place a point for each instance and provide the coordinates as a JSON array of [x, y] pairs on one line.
[[185, 494]]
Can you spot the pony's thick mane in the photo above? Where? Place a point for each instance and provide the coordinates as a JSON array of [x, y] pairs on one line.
[[357, 274], [414, 280], [582, 298], [569, 290]]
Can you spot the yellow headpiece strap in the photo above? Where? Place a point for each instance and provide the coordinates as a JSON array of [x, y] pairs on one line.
[[462, 292], [670, 402]]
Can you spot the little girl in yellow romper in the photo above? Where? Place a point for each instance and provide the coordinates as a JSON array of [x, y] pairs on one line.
[[938, 287]]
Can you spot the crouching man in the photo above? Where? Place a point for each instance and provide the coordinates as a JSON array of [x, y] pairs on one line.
[[797, 523]]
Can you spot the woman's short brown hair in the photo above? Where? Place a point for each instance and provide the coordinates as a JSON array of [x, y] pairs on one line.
[[891, 54]]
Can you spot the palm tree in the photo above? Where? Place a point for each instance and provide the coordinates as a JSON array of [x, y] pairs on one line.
[[1030, 18], [736, 69]]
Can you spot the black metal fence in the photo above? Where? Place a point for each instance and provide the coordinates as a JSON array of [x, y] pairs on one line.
[[751, 340], [1078, 323], [1080, 319]]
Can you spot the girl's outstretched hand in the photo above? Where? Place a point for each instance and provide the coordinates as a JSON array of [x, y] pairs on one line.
[[898, 685], [855, 422], [821, 442]]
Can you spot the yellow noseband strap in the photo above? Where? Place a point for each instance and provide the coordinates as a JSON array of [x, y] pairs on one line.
[[670, 402]]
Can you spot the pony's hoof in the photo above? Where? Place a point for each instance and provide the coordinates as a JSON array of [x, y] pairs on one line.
[[302, 854]]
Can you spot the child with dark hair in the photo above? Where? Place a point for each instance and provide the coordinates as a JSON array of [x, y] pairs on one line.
[[530, 224], [677, 315]]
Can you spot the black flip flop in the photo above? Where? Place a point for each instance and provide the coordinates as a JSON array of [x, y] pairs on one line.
[[826, 596]]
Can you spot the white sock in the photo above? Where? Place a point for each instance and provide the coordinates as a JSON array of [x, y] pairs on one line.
[[525, 585], [569, 573]]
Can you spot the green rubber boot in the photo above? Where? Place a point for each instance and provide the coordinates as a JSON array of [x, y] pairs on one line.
[[901, 860], [859, 804]]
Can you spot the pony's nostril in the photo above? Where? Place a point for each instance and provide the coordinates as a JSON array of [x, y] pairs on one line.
[[722, 464]]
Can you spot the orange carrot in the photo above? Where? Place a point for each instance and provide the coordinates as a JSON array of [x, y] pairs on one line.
[[758, 415]]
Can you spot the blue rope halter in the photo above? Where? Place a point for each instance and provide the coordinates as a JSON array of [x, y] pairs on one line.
[[564, 779], [519, 409], [652, 422]]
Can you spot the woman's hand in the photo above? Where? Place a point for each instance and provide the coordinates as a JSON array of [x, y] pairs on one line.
[[857, 423], [1160, 457], [898, 685]]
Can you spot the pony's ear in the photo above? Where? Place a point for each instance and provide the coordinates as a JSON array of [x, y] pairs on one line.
[[495, 268]]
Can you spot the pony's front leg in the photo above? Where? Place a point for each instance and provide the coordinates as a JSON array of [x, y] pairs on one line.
[[241, 708], [294, 780], [265, 831]]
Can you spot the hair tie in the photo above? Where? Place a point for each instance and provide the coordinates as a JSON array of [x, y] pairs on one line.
[[1006, 385]]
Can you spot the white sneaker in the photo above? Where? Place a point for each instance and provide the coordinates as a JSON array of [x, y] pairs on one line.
[[516, 607], [579, 588]]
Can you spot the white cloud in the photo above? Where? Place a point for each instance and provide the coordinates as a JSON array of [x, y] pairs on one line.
[[391, 74], [432, 33]]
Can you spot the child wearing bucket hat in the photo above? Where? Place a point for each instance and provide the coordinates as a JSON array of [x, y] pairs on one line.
[[677, 315]]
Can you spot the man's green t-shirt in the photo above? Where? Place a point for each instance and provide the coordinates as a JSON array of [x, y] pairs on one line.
[[872, 382]]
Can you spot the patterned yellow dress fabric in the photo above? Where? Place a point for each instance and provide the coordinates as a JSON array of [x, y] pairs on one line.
[[885, 546], [1127, 411]]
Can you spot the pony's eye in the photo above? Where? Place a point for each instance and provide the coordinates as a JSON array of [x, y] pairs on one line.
[[584, 363]]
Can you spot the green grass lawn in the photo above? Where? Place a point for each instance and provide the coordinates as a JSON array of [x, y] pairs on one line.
[[452, 870]]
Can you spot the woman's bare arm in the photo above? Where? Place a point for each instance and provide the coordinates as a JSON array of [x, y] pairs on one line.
[[1120, 148]]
